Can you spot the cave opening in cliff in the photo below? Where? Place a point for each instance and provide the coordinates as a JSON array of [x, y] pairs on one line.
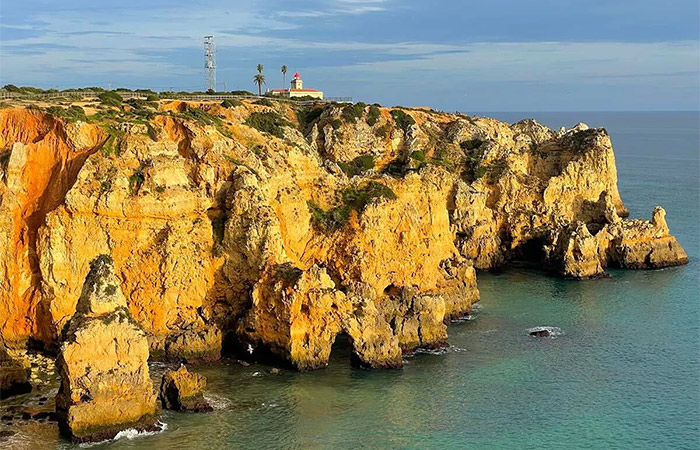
[[341, 350], [531, 251]]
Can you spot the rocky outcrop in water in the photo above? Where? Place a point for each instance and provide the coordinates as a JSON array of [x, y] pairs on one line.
[[279, 226], [15, 373], [181, 390], [105, 386]]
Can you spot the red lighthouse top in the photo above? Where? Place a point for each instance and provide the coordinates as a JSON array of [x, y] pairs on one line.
[[297, 76]]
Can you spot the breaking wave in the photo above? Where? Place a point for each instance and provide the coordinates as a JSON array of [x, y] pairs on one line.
[[129, 433]]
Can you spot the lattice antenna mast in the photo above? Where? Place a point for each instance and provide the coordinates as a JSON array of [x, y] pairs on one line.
[[210, 62]]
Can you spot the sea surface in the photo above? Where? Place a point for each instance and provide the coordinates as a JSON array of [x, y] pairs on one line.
[[623, 374]]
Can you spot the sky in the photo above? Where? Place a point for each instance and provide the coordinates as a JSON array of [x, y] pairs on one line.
[[471, 56]]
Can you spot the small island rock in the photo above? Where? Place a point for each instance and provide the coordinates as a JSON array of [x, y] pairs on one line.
[[181, 390]]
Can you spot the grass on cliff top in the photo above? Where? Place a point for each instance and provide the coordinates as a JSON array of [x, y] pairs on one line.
[[268, 122], [351, 199], [73, 113]]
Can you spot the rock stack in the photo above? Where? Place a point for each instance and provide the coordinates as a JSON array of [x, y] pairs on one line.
[[181, 390], [105, 386]]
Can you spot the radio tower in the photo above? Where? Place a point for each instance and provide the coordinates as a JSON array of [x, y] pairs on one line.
[[210, 62]]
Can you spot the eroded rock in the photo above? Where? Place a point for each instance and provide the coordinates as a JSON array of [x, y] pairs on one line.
[[105, 386], [181, 390]]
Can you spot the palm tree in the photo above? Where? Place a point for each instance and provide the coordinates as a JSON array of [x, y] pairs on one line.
[[259, 79], [260, 68], [284, 76]]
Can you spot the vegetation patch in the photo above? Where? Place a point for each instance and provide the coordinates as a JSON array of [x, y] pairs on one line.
[[471, 144], [113, 143], [268, 122], [383, 131], [350, 199], [307, 115], [110, 98], [231, 103], [265, 102], [73, 113], [358, 165], [332, 121], [352, 113], [373, 115], [136, 180], [403, 120]]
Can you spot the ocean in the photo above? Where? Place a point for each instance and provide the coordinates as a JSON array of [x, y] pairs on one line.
[[623, 374]]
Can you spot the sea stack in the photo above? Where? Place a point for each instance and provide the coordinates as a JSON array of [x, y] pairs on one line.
[[181, 390], [105, 386]]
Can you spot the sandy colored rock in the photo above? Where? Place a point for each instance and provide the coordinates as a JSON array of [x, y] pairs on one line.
[[181, 390], [15, 372], [105, 386], [284, 238]]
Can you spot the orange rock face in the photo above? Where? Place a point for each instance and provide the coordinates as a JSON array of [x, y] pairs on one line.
[[381, 214]]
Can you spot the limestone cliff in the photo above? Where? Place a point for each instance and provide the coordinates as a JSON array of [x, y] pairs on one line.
[[277, 226]]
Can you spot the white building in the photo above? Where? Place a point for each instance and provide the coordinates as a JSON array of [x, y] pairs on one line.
[[297, 89]]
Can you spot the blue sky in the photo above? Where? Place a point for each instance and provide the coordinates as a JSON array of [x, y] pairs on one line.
[[494, 55]]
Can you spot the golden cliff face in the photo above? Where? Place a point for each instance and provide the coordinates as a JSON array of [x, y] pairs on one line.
[[277, 227]]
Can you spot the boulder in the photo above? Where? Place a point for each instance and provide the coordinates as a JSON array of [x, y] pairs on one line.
[[181, 390], [105, 386], [14, 374]]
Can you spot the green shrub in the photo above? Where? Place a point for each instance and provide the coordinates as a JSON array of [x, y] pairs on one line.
[[402, 119], [373, 115], [418, 155], [239, 92], [307, 115], [351, 199], [383, 131], [152, 98], [352, 113], [268, 122], [265, 102], [73, 113], [110, 98], [358, 165], [471, 144], [332, 121], [231, 103], [136, 180], [112, 146]]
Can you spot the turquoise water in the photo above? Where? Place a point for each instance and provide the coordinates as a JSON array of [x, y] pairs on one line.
[[625, 373]]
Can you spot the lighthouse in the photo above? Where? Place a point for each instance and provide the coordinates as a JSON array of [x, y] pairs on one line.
[[296, 82], [297, 89]]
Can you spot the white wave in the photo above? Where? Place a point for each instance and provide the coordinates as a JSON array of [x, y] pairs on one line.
[[217, 401], [467, 318], [257, 374], [553, 331], [129, 433]]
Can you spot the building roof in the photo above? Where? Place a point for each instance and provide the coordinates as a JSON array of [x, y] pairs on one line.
[[295, 90]]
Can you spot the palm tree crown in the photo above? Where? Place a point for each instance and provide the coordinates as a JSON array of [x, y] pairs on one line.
[[260, 68], [259, 79]]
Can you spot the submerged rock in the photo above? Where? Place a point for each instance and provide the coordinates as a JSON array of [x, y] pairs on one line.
[[181, 390], [545, 332], [105, 386]]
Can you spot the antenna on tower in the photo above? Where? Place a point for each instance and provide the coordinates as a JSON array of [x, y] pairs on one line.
[[210, 62]]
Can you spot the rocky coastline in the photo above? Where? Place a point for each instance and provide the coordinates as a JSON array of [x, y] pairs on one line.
[[181, 231]]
